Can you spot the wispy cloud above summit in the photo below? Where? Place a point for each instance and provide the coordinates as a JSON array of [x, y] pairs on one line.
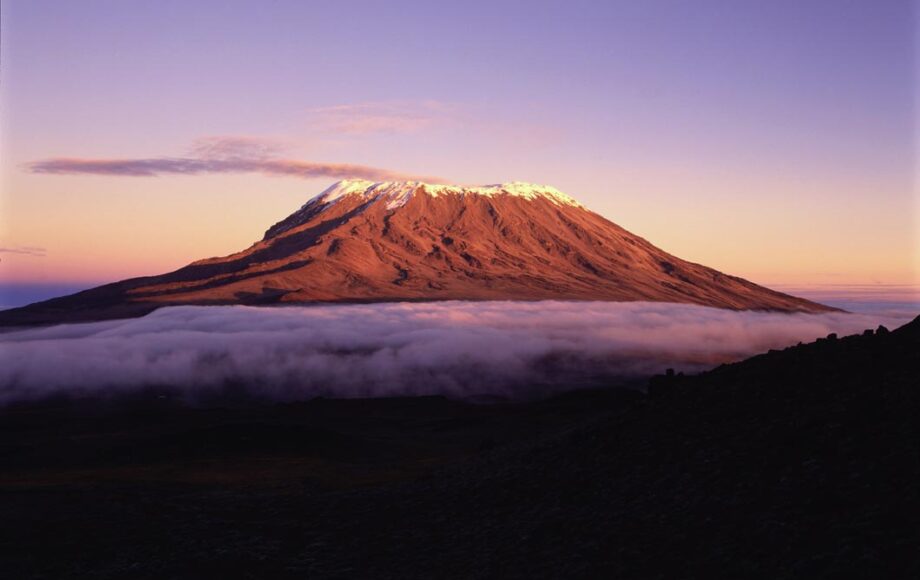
[[238, 147], [220, 155], [428, 118], [384, 118]]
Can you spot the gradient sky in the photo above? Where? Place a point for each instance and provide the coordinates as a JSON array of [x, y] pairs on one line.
[[769, 139]]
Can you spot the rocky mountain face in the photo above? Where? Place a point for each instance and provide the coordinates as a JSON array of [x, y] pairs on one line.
[[364, 241]]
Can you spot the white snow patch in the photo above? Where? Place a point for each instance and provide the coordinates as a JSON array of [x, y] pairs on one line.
[[398, 193]]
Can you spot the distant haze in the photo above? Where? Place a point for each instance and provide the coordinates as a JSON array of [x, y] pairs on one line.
[[13, 295], [457, 349]]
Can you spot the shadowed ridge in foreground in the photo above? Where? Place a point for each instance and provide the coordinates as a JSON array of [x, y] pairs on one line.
[[360, 241], [795, 463]]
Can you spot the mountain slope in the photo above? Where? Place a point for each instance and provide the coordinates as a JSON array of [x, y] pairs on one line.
[[363, 241]]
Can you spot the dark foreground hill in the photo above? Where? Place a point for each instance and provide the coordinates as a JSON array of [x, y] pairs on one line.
[[802, 463]]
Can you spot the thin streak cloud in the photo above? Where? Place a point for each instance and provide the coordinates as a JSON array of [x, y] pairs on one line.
[[217, 156], [25, 251]]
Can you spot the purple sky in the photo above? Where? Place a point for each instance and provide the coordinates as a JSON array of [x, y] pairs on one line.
[[774, 140]]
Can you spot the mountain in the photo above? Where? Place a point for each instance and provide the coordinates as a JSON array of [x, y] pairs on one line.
[[364, 241]]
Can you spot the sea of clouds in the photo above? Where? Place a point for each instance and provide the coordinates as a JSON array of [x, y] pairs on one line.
[[457, 349]]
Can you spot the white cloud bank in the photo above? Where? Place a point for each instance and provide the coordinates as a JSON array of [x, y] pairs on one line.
[[458, 349]]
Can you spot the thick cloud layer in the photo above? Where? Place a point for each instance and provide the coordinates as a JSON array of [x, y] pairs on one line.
[[458, 349]]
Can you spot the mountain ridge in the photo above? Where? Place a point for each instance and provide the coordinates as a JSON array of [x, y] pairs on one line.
[[360, 241]]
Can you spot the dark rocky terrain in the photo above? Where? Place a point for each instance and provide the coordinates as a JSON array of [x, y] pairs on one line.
[[800, 463], [368, 242]]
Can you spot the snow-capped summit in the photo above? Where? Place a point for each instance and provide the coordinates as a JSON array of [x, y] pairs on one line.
[[397, 193]]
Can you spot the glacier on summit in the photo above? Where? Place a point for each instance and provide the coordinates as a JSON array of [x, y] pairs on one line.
[[398, 193]]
